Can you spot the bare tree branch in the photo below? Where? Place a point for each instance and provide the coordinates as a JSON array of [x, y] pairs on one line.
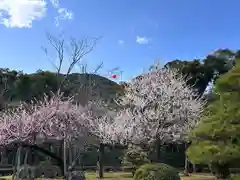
[[78, 49]]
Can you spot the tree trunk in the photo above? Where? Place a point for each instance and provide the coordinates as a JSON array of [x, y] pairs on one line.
[[158, 149], [14, 165], [186, 166], [70, 154], [19, 151], [65, 158], [100, 159], [3, 155], [194, 167], [60, 152]]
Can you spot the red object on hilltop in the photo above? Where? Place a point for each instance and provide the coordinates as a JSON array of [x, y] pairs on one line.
[[114, 76]]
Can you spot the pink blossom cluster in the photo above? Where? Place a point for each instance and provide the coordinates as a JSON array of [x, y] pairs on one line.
[[52, 117]]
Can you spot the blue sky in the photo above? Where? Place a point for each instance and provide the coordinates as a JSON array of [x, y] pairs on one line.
[[134, 33]]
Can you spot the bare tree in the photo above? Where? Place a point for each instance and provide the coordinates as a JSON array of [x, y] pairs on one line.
[[72, 52]]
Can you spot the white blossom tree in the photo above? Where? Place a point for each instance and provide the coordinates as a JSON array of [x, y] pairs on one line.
[[157, 106], [162, 108], [100, 123]]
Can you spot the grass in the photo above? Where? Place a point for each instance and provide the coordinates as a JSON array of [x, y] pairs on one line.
[[111, 176], [127, 176]]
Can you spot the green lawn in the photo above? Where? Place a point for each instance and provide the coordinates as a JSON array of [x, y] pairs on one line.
[[127, 176]]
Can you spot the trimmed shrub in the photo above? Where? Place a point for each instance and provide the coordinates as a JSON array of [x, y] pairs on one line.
[[156, 172], [133, 158]]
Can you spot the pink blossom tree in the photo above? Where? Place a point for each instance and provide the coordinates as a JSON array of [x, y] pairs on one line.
[[56, 117], [53, 117]]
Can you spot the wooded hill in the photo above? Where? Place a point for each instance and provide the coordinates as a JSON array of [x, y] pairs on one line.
[[16, 86]]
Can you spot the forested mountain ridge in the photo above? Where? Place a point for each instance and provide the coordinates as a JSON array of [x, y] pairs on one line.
[[16, 86]]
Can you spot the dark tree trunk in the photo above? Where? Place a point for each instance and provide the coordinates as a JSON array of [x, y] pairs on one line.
[[3, 155], [100, 159], [194, 167], [186, 165], [14, 165], [158, 149], [60, 152]]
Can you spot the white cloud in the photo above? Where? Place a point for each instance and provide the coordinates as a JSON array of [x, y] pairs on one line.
[[22, 13], [120, 42], [63, 14], [142, 40]]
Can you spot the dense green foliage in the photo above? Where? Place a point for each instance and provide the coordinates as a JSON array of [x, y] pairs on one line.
[[156, 172], [133, 158], [217, 139]]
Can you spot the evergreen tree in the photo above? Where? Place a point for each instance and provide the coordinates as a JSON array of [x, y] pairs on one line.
[[216, 141]]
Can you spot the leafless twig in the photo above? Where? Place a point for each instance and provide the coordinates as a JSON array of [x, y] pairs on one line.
[[78, 49]]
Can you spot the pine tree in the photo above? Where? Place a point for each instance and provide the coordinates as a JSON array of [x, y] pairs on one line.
[[216, 141]]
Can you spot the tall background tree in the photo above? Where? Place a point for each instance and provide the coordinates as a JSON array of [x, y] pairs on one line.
[[204, 71]]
